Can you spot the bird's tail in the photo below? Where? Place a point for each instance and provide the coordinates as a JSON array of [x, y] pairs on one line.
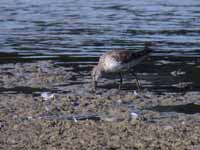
[[147, 50]]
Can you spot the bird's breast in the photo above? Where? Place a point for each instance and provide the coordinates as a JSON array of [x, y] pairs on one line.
[[111, 65]]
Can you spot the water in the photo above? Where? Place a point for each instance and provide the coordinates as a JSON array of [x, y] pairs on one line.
[[190, 108], [78, 32]]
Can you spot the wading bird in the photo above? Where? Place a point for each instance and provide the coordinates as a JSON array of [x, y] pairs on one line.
[[118, 61]]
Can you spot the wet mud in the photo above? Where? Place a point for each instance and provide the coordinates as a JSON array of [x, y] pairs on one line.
[[44, 105]]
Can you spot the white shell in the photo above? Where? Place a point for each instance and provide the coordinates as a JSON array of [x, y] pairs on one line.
[[134, 115], [47, 95]]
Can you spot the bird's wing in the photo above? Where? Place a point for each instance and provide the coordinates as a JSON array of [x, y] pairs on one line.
[[123, 56]]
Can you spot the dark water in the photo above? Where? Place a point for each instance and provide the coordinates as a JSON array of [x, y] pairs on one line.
[[190, 108], [80, 31]]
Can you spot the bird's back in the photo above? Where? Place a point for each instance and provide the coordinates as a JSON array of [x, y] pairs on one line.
[[117, 60]]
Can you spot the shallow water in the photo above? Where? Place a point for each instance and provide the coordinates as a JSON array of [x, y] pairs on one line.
[[189, 108], [78, 32]]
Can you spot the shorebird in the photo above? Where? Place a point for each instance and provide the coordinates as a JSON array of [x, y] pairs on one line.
[[118, 61]]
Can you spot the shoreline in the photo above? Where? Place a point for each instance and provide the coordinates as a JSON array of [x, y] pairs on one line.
[[124, 120]]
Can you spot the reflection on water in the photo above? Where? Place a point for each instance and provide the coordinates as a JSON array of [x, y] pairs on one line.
[[80, 31]]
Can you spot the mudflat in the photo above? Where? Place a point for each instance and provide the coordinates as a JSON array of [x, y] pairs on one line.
[[49, 106]]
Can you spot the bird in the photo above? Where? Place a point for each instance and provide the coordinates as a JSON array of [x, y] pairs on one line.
[[117, 62]]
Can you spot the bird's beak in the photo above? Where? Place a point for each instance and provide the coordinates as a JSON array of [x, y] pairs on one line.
[[94, 85]]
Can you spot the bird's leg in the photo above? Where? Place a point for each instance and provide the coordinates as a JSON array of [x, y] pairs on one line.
[[120, 81], [137, 81]]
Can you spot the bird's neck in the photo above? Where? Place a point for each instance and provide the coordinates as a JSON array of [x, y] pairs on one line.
[[100, 67]]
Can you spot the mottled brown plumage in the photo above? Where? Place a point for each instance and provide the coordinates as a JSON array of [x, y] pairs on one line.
[[117, 61]]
